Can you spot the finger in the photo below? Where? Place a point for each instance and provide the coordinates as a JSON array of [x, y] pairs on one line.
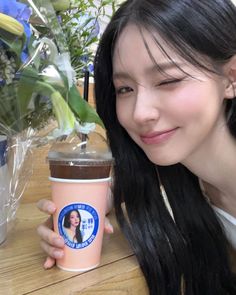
[[49, 263], [53, 252], [46, 206], [49, 236], [108, 228], [49, 222]]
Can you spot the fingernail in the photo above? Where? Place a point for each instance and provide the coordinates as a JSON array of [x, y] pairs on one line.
[[51, 208], [110, 228], [46, 265], [59, 242], [58, 254], [49, 262]]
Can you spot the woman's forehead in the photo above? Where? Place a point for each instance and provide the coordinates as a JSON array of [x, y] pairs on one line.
[[139, 40], [136, 46]]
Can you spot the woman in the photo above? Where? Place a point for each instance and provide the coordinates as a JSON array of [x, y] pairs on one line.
[[165, 82], [71, 224]]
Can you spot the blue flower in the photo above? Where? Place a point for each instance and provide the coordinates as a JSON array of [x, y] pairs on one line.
[[84, 58], [90, 68], [22, 13], [87, 66], [17, 10]]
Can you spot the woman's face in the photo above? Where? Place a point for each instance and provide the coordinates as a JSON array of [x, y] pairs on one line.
[[171, 116], [74, 218]]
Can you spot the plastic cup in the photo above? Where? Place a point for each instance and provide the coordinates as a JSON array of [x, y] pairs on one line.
[[80, 177]]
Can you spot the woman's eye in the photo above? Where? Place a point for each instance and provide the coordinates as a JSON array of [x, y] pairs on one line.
[[123, 90], [169, 82]]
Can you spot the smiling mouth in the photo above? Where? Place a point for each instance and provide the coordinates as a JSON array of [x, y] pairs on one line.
[[158, 137]]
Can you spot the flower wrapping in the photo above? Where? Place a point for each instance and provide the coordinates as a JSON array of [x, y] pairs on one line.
[[39, 98]]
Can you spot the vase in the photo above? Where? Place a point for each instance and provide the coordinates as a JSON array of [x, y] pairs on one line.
[[4, 188], [15, 171]]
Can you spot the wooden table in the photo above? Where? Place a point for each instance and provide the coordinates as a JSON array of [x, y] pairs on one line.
[[21, 258]]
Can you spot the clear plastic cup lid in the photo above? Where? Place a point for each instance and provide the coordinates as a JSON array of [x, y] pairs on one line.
[[91, 149]]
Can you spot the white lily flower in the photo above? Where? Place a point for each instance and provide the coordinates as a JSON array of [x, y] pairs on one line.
[[64, 65], [11, 25], [84, 128], [52, 76]]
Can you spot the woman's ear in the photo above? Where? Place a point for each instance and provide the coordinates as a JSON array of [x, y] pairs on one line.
[[230, 74]]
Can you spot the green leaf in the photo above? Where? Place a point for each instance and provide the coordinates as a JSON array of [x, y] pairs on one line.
[[14, 44], [28, 79], [9, 107], [82, 109], [105, 2], [64, 115], [31, 49]]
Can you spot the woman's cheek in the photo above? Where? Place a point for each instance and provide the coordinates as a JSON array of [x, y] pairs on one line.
[[187, 103], [122, 112]]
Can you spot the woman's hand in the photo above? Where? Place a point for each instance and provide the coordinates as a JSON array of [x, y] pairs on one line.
[[51, 242]]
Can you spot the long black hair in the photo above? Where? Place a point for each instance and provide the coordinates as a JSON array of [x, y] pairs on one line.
[[187, 255], [67, 224]]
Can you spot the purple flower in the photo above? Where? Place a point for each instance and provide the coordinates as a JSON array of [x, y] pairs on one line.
[[22, 13], [17, 10], [84, 58], [90, 68], [59, 18], [87, 66]]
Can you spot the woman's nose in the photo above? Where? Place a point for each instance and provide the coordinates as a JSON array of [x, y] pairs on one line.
[[146, 107]]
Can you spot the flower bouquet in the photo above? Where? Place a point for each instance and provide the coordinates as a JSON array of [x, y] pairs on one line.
[[37, 90], [82, 25]]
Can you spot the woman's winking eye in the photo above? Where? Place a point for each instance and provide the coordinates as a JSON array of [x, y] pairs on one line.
[[169, 82]]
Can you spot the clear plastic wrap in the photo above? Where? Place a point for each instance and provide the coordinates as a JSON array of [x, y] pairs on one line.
[[37, 89]]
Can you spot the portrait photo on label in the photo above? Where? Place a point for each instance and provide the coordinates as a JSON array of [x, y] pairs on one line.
[[78, 224]]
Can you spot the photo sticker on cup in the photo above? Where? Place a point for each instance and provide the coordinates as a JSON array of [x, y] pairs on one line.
[[78, 225]]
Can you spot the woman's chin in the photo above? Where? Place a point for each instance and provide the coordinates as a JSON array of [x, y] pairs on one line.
[[163, 161]]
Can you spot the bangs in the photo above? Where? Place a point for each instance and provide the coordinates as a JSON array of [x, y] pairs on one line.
[[181, 49]]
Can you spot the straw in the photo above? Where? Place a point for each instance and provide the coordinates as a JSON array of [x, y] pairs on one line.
[[85, 96]]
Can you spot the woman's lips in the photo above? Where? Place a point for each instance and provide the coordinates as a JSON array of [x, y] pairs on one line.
[[157, 137]]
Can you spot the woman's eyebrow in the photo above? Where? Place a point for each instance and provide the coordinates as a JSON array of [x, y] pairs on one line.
[[120, 75], [164, 66], [161, 68]]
